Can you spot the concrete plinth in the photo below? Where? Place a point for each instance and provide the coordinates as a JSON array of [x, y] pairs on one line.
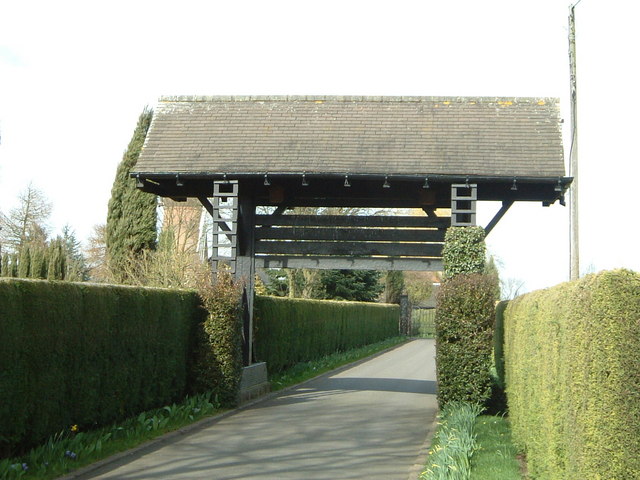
[[254, 383]]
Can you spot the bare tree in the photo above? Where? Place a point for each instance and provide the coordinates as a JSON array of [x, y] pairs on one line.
[[96, 254], [28, 221], [511, 288]]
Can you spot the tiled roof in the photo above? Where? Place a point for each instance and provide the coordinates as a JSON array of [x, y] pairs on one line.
[[372, 135]]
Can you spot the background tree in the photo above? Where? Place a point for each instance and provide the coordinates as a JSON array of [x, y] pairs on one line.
[[511, 288], [4, 265], [95, 254], [26, 222], [354, 285], [132, 216], [393, 286], [491, 269], [39, 260], [24, 262], [57, 260], [76, 267], [420, 286]]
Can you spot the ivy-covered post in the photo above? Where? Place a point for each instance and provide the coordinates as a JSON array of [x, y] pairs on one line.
[[464, 319], [464, 251]]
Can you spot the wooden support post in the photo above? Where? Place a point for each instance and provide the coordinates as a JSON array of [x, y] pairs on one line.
[[245, 266]]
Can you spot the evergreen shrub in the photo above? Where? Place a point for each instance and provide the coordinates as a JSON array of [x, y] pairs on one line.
[[464, 329], [291, 330], [80, 354], [572, 372]]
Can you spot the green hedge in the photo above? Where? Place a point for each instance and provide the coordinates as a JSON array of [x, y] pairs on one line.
[[572, 371], [289, 331], [464, 330], [87, 354]]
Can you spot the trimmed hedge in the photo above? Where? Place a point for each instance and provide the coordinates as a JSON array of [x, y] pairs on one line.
[[464, 332], [73, 353], [291, 330], [572, 371]]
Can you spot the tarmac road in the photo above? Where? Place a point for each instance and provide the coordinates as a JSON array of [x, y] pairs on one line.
[[366, 422]]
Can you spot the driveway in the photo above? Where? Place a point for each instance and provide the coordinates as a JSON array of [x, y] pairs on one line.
[[366, 422]]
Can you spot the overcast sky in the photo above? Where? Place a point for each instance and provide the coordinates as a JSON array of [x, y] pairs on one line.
[[74, 76]]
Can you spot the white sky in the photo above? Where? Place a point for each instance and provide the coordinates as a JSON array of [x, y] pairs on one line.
[[75, 75]]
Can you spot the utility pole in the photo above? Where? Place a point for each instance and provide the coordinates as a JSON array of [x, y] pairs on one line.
[[574, 247]]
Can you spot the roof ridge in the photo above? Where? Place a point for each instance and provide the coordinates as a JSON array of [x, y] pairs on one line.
[[351, 98]]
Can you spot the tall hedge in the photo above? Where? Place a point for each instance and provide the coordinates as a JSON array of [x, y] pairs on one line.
[[572, 371], [87, 354], [464, 332], [290, 330]]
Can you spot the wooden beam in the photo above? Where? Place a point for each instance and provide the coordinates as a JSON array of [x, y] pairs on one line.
[[350, 263], [206, 204], [498, 216], [350, 248], [350, 234], [352, 221]]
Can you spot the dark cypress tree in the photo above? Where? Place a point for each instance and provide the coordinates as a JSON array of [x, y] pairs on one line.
[[38, 262], [393, 286], [4, 265], [24, 263], [57, 260], [131, 219], [13, 265]]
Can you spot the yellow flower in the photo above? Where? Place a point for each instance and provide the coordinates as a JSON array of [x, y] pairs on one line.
[[74, 428]]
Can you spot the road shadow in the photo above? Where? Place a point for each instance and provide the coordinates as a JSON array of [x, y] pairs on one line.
[[337, 385]]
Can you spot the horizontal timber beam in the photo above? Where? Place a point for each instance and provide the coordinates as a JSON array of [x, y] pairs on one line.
[[350, 234], [352, 221], [350, 248], [350, 263]]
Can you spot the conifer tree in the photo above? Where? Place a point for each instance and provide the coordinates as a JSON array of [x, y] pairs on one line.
[[4, 265], [393, 286], [131, 219], [13, 265], [76, 270], [57, 260], [38, 267], [24, 263]]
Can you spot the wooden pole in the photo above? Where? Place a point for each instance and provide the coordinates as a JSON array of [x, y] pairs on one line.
[[574, 247]]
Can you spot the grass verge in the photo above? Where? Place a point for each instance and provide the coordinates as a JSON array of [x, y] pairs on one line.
[[496, 456], [72, 449], [306, 370]]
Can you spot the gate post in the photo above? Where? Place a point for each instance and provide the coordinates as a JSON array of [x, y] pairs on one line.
[[405, 315]]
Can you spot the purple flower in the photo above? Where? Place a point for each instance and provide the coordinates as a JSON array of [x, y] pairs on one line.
[[25, 467], [70, 454]]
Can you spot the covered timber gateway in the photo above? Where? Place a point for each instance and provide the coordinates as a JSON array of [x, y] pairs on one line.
[[238, 153]]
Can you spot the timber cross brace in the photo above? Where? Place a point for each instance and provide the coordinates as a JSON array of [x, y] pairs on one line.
[[251, 160]]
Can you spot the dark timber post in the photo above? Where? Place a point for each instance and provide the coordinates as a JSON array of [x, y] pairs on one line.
[[245, 265]]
